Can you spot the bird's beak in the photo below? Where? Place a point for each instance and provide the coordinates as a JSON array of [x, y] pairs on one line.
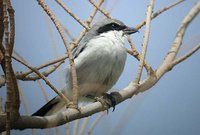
[[130, 30]]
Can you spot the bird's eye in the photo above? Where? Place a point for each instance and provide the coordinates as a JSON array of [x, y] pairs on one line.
[[113, 25]]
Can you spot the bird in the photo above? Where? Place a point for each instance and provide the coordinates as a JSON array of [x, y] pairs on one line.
[[99, 61]]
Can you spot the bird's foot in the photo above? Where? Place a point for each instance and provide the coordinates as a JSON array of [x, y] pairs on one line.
[[73, 106], [107, 101], [110, 100]]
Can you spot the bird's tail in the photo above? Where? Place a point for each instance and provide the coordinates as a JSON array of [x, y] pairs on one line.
[[50, 108]]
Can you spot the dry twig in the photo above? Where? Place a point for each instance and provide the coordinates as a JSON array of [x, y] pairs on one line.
[[71, 59], [142, 23], [102, 11], [45, 79], [168, 61], [71, 14], [93, 125], [88, 22], [179, 60], [83, 126], [145, 41]]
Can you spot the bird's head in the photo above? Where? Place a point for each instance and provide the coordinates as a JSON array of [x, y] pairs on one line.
[[108, 25]]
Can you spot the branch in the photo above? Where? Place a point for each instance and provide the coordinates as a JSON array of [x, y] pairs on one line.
[[70, 114], [71, 59], [88, 22], [1, 23], [12, 26], [9, 92], [93, 125], [133, 50], [67, 31], [56, 61], [168, 62], [145, 42], [2, 49], [71, 14], [102, 11], [25, 75], [46, 81], [142, 23], [179, 60], [83, 126]]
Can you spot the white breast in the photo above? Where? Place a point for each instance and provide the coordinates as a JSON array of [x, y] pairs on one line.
[[100, 64]]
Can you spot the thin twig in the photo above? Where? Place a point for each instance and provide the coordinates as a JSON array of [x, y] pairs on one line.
[[102, 11], [75, 128], [25, 75], [67, 31], [135, 54], [171, 55], [145, 41], [9, 83], [35, 76], [1, 24], [88, 22], [1, 108], [71, 59], [67, 129], [54, 45], [142, 23], [179, 60], [45, 79], [12, 26], [71, 14], [113, 5], [83, 126], [93, 125], [59, 61], [2, 49]]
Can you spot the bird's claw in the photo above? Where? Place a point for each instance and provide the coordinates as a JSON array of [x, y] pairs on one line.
[[107, 101], [110, 100], [73, 106]]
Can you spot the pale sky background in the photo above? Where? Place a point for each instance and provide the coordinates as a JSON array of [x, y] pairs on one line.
[[171, 107]]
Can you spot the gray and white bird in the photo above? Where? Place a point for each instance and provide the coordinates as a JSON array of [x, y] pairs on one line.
[[99, 59]]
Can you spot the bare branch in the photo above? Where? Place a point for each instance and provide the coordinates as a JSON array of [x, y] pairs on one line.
[[179, 60], [34, 77], [71, 14], [88, 22], [1, 24], [168, 62], [83, 126], [93, 125], [75, 128], [102, 11], [67, 31], [46, 81], [59, 61], [133, 51], [142, 23], [71, 114], [1, 108], [9, 83], [145, 41], [12, 26], [26, 77], [71, 59]]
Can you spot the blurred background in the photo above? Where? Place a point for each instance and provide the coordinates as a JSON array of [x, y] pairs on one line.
[[170, 107]]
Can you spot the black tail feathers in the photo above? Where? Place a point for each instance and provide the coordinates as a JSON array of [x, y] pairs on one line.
[[46, 108]]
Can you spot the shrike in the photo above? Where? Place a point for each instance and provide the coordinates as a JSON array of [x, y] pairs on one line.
[[99, 59]]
